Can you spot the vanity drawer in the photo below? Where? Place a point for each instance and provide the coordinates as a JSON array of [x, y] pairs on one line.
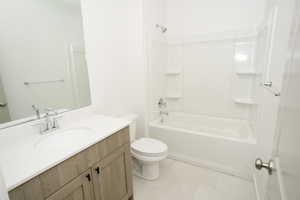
[[55, 178]]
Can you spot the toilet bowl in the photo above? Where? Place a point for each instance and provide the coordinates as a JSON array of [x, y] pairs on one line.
[[147, 153]]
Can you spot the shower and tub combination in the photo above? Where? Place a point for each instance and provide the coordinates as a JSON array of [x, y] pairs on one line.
[[225, 145], [181, 78]]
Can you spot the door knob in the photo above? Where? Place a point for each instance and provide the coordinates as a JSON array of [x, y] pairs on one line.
[[259, 164]]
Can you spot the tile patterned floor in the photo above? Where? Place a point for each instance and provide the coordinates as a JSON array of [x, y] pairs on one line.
[[181, 181]]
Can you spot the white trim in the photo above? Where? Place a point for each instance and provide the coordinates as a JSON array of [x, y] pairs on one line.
[[256, 187], [272, 25], [246, 101], [280, 178]]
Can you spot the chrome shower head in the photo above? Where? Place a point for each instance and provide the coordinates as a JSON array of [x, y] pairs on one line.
[[163, 29]]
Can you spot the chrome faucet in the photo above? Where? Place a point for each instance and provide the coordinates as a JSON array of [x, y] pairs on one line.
[[50, 122], [37, 111], [162, 105], [161, 114]]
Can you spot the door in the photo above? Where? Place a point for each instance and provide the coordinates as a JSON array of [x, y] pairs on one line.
[[284, 181], [78, 189], [112, 176]]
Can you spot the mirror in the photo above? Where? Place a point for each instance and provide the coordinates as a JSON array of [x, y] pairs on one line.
[[42, 58]]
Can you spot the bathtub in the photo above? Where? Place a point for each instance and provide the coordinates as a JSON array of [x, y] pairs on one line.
[[225, 145]]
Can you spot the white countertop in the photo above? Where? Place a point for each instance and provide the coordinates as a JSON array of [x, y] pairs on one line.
[[25, 153]]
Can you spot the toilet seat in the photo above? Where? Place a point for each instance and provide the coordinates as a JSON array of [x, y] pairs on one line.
[[149, 147]]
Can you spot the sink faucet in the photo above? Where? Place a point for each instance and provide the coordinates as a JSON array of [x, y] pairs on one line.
[[50, 123]]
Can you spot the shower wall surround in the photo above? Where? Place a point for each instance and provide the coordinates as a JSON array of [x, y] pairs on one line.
[[209, 67], [209, 81]]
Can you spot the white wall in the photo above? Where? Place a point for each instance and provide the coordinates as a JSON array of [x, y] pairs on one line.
[[35, 38], [115, 53], [203, 40]]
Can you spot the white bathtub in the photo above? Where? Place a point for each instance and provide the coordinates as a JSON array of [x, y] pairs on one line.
[[225, 145]]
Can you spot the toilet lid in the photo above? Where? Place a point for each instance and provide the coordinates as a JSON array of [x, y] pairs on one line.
[[150, 147]]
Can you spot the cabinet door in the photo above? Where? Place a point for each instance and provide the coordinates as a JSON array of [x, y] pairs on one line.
[[78, 189], [112, 176]]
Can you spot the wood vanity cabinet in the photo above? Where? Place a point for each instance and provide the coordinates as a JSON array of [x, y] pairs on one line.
[[101, 172], [112, 176], [78, 189]]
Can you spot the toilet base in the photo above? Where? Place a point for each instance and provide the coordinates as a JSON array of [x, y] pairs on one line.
[[146, 170]]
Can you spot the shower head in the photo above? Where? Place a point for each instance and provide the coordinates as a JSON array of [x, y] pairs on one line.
[[163, 29]]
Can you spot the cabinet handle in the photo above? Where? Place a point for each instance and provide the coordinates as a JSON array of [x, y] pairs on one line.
[[97, 170], [88, 177]]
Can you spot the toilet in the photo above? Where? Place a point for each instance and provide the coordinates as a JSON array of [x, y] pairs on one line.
[[146, 152]]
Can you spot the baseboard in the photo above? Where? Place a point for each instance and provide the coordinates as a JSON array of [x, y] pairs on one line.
[[211, 165]]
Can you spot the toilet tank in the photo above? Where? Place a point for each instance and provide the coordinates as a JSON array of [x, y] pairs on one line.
[[132, 127]]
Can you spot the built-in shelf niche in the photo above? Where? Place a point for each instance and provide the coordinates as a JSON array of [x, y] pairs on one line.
[[247, 73], [245, 101], [173, 96], [244, 58], [173, 73]]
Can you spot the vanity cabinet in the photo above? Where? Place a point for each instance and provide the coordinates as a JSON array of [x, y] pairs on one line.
[[78, 189], [101, 172], [112, 176]]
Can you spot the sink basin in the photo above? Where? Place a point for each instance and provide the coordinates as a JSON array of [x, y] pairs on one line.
[[63, 140]]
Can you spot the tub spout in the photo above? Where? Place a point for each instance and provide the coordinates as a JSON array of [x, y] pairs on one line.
[[162, 114]]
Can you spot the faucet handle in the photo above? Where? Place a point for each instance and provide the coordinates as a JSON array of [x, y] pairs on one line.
[[37, 111], [55, 122], [35, 107]]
